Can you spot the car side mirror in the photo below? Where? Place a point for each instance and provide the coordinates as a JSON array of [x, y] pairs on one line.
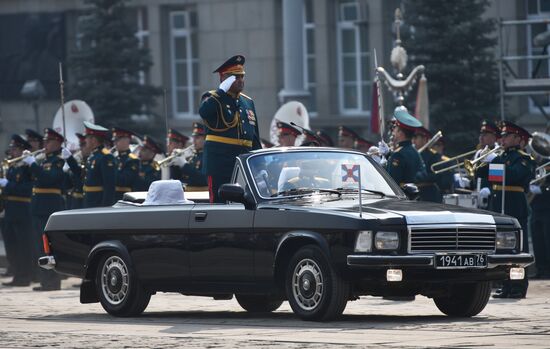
[[411, 191], [235, 193]]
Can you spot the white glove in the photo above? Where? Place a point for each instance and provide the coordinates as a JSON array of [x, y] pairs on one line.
[[489, 158], [483, 197], [383, 148], [66, 153], [465, 182], [226, 84], [461, 182], [66, 168], [29, 160], [179, 161], [533, 188], [3, 182]]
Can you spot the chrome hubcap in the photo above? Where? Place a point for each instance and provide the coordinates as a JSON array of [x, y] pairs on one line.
[[307, 284], [115, 280]]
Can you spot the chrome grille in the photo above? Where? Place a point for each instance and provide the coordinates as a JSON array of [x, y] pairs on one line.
[[451, 238]]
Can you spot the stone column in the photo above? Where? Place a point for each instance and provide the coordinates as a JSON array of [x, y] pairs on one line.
[[293, 52]]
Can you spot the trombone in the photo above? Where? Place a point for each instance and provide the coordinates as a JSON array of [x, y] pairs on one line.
[[472, 165], [456, 160], [175, 153], [14, 161], [431, 142]]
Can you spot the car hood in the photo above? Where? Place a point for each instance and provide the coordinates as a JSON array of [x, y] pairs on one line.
[[393, 210]]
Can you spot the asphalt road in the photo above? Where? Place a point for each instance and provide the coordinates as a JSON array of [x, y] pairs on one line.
[[57, 320]]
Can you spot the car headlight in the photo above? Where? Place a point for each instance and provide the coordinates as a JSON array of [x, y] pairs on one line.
[[506, 240], [363, 243], [386, 240]]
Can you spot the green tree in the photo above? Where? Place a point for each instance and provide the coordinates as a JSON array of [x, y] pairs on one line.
[[106, 66], [456, 44]]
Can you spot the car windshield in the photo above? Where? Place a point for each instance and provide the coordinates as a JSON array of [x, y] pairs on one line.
[[304, 172]]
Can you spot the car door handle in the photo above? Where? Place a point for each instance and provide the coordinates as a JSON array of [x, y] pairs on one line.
[[200, 216]]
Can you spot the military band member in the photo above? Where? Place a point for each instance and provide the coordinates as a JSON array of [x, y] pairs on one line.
[[519, 171], [326, 140], [405, 164], [176, 140], [231, 122], [489, 134], [17, 228], [310, 139], [149, 169], [191, 169], [540, 223], [346, 137], [429, 189], [99, 181], [35, 140], [363, 145], [77, 165], [48, 182], [127, 162], [287, 134]]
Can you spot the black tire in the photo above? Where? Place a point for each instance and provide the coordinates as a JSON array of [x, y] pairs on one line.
[[119, 290], [314, 290], [258, 303], [465, 300]]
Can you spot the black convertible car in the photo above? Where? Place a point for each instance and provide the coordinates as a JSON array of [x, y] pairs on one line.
[[315, 226]]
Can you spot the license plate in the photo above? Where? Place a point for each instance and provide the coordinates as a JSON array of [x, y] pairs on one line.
[[457, 261]]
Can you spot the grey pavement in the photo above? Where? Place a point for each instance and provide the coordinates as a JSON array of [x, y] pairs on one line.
[[57, 320]]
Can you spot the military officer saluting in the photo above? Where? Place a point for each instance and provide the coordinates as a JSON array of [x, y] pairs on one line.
[[99, 181], [231, 123], [519, 171], [48, 182], [149, 170], [127, 162], [429, 189], [191, 169], [17, 228], [176, 140], [404, 164]]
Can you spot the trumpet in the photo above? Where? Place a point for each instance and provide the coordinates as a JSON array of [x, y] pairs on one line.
[[175, 153], [472, 165], [456, 162], [431, 142], [14, 161]]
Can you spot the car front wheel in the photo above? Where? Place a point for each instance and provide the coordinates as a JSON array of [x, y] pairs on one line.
[[258, 303], [119, 290], [314, 290], [465, 300]]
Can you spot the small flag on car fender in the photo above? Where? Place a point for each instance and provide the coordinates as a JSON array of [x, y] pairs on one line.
[[496, 172]]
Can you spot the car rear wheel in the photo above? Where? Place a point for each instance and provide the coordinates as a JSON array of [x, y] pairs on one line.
[[465, 300], [258, 303], [314, 290], [119, 290]]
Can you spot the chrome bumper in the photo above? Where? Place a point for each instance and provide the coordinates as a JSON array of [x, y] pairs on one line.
[[46, 262], [493, 260]]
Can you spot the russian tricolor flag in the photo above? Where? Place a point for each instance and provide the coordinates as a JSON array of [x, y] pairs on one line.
[[496, 172]]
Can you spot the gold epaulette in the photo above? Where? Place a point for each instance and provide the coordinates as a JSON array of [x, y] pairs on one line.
[[245, 96], [105, 151], [133, 156]]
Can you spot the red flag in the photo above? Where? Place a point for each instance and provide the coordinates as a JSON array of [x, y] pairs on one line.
[[374, 113]]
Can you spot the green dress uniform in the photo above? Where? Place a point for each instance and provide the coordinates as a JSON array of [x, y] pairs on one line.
[[99, 181], [540, 226], [17, 226], [47, 198], [405, 164], [149, 171], [429, 188], [192, 174], [232, 129], [127, 173], [78, 171]]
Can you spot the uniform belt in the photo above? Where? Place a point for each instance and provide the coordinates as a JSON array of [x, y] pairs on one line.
[[92, 188], [227, 140], [18, 198], [515, 188], [122, 189], [46, 191], [77, 195]]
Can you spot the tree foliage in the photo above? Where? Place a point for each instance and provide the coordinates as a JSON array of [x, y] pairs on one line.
[[106, 65], [456, 44]]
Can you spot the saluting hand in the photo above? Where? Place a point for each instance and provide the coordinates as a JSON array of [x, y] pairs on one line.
[[226, 84]]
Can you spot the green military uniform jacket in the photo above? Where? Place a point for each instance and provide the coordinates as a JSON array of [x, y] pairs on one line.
[[127, 173], [429, 188], [48, 183], [232, 129], [405, 164], [76, 179], [17, 194], [99, 181], [192, 173], [149, 171]]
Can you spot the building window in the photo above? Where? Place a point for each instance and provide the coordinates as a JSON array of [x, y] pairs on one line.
[[184, 64], [309, 57], [354, 68], [538, 9]]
